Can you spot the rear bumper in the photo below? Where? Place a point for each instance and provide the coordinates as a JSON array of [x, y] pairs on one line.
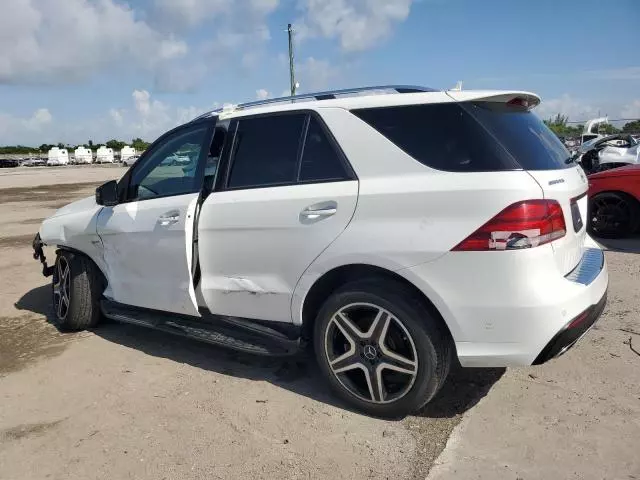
[[506, 309], [574, 331]]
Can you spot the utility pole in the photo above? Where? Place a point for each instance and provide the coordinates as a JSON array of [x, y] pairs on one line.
[[292, 76]]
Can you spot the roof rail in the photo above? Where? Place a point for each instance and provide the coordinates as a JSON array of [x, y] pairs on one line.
[[328, 95]]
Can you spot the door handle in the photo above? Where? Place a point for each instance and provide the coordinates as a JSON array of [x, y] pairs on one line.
[[320, 210], [169, 218]]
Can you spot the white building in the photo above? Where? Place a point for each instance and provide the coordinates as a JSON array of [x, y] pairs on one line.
[[58, 156], [126, 152], [104, 155], [83, 155]]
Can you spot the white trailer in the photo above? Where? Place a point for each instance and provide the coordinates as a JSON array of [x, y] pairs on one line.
[[83, 155], [126, 153], [104, 155], [58, 156]]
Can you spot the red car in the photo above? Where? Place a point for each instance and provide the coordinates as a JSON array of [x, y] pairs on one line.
[[614, 201]]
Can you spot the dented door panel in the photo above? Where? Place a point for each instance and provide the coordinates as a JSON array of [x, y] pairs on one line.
[[255, 244]]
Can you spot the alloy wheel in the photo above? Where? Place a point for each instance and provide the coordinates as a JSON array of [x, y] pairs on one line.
[[371, 353], [62, 288], [610, 215]]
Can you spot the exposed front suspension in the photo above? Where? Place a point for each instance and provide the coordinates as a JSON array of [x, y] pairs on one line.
[[38, 254]]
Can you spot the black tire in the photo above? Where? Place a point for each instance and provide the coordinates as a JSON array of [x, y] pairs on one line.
[[82, 287], [613, 214], [415, 326]]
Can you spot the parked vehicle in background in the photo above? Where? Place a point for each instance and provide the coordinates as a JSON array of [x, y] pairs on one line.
[[128, 161], [608, 152], [9, 162], [614, 201], [83, 155], [104, 155], [126, 153], [339, 219], [57, 156], [591, 129], [33, 162], [178, 159]]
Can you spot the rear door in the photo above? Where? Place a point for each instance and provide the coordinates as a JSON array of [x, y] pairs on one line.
[[539, 152], [285, 193]]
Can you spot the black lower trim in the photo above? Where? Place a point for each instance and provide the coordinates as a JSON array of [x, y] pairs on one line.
[[236, 333], [267, 327], [569, 336]]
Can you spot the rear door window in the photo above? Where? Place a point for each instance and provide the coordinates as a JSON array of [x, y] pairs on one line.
[[320, 160], [266, 151]]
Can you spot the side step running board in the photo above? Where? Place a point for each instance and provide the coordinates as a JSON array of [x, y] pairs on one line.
[[238, 334]]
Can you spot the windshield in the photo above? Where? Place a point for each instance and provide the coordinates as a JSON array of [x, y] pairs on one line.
[[522, 134]]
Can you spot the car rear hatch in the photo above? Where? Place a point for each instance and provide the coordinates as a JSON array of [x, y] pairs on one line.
[[537, 150]]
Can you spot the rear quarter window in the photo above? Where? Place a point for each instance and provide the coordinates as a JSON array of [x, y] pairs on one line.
[[470, 136], [523, 134], [443, 136]]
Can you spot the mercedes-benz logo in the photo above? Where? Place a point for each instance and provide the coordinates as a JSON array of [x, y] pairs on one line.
[[370, 352]]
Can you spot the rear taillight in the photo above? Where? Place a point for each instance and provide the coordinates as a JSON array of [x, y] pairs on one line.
[[524, 224]]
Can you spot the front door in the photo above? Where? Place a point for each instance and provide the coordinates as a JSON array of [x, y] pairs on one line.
[[147, 236], [282, 197]]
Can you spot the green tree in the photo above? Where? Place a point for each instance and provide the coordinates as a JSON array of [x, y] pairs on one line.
[[608, 129], [115, 144], [139, 144], [559, 125], [632, 127], [90, 144]]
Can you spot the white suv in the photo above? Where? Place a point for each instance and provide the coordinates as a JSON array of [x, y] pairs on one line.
[[393, 228]]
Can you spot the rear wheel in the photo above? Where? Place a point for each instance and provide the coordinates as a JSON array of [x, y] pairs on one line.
[[76, 292], [381, 350], [613, 214]]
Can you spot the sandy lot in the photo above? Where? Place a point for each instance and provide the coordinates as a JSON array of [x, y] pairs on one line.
[[126, 402]]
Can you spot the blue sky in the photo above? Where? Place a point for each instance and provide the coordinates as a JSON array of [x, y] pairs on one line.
[[73, 70]]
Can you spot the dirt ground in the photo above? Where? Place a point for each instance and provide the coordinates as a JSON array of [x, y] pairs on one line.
[[125, 402]]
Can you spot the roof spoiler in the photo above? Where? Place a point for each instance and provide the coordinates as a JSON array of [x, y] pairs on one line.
[[500, 96]]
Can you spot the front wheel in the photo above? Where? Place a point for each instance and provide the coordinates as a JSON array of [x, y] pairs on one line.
[[381, 350], [76, 292]]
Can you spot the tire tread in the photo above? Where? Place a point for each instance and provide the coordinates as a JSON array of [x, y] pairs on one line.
[[84, 306]]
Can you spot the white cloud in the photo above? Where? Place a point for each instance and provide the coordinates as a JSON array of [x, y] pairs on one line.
[[357, 24], [262, 94], [315, 74], [149, 118], [116, 115], [145, 117], [182, 14], [576, 109], [632, 110], [18, 130], [67, 40], [235, 24]]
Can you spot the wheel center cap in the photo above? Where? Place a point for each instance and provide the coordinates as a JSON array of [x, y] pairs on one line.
[[370, 352]]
